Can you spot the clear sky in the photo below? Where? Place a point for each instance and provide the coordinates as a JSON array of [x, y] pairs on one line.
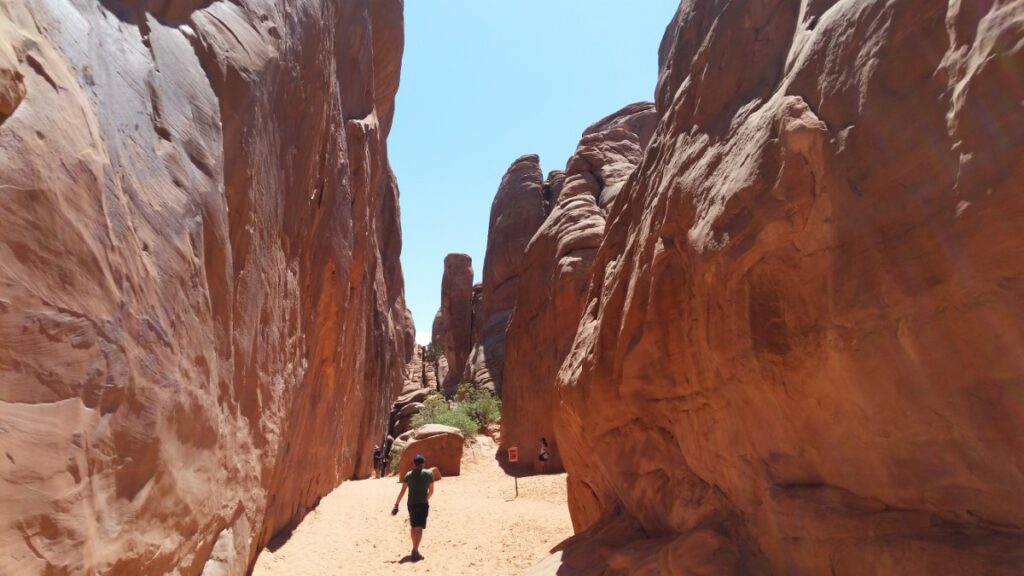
[[486, 81]]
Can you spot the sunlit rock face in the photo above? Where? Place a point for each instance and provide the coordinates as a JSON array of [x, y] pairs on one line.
[[801, 351], [556, 273], [453, 325], [516, 214], [202, 320]]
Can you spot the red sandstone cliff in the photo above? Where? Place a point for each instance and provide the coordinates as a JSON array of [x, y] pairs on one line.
[[801, 346], [202, 321], [453, 325], [516, 213], [556, 273]]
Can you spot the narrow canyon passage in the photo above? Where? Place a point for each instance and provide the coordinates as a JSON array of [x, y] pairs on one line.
[[767, 316], [476, 526]]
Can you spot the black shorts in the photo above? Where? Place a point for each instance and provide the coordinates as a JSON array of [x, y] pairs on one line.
[[418, 515]]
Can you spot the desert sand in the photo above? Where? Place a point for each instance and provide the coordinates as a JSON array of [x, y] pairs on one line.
[[476, 526]]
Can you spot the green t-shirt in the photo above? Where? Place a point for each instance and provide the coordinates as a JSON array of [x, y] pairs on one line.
[[418, 481]]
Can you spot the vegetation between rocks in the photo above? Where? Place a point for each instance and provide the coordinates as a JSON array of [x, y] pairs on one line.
[[473, 409]]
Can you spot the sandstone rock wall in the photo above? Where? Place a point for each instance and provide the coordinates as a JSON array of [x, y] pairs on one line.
[[202, 321], [420, 381], [556, 273], [453, 327], [801, 347], [516, 213]]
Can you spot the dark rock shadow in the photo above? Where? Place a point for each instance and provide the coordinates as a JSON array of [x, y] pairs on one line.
[[527, 465], [280, 539], [283, 535], [521, 469]]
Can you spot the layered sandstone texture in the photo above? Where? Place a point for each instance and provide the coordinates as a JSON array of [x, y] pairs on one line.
[[801, 351], [453, 325], [202, 320], [556, 273], [420, 381], [517, 212]]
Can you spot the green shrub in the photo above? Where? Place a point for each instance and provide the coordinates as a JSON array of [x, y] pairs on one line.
[[482, 406], [460, 420], [436, 410], [433, 407], [475, 409]]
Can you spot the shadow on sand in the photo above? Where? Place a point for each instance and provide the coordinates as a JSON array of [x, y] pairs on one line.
[[280, 539], [405, 560]]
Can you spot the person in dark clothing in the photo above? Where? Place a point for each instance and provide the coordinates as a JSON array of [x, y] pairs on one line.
[[544, 455], [420, 484], [378, 456]]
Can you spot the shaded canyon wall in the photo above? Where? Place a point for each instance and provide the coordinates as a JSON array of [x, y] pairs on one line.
[[202, 320]]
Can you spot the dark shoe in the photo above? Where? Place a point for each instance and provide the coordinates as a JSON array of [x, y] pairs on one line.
[[416, 557]]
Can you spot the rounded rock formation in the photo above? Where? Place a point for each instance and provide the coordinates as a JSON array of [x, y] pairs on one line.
[[516, 214], [453, 327], [440, 445], [803, 329]]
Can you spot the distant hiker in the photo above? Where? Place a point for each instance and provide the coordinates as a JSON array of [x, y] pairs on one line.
[[420, 483], [544, 455], [377, 457], [385, 455]]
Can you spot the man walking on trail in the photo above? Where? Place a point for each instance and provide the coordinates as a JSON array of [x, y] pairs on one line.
[[420, 483]]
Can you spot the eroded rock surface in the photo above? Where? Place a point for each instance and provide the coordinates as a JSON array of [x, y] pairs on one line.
[[454, 322], [556, 273], [516, 214], [202, 321], [420, 381], [801, 347]]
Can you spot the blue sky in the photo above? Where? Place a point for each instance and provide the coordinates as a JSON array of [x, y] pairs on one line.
[[486, 81]]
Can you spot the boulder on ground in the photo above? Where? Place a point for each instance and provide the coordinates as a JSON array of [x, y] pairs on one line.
[[440, 445]]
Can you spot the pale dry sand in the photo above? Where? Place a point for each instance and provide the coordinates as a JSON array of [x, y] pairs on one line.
[[475, 526]]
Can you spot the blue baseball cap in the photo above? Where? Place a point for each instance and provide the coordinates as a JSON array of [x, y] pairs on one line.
[[419, 459]]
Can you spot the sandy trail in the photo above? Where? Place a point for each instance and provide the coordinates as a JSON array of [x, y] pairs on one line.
[[475, 526]]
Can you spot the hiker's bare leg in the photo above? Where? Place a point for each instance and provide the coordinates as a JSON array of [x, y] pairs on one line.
[[417, 535]]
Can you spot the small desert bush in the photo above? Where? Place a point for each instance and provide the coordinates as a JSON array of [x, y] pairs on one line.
[[479, 404], [475, 409], [436, 410]]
